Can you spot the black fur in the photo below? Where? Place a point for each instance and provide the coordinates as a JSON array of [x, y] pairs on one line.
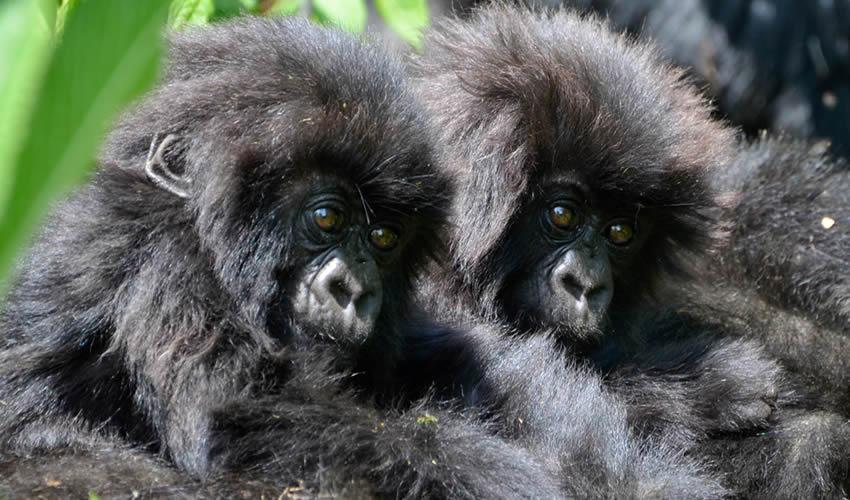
[[782, 277], [785, 263], [526, 101], [789, 221], [557, 409], [771, 65]]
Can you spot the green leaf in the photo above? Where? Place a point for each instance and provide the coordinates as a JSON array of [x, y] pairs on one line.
[[25, 30], [347, 14], [62, 14], [252, 6], [109, 55], [46, 14], [408, 18], [285, 7], [230, 8], [184, 12]]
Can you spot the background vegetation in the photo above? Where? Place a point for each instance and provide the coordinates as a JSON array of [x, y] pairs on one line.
[[68, 66]]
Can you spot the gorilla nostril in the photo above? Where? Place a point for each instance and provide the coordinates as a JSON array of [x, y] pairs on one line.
[[340, 292], [573, 286], [599, 296], [367, 305]]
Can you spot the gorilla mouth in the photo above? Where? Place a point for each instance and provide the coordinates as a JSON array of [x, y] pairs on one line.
[[582, 325]]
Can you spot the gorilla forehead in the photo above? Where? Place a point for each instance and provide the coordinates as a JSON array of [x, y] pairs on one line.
[[560, 91], [262, 97], [522, 99], [256, 104]]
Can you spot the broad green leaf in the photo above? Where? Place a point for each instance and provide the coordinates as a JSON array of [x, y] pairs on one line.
[[408, 18], [190, 12], [347, 14], [285, 7], [25, 30], [109, 54]]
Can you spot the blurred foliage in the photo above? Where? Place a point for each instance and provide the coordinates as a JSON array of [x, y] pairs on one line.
[[62, 97], [25, 31], [65, 7], [349, 14], [408, 18], [68, 66]]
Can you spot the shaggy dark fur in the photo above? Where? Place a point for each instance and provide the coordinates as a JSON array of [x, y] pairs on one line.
[[157, 339], [558, 410], [774, 65], [782, 277], [788, 215], [531, 104], [790, 225]]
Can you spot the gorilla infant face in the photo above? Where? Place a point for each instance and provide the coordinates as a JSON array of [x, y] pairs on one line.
[[339, 292], [346, 241], [566, 140], [584, 247]]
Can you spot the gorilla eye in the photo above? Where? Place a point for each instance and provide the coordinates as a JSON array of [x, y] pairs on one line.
[[620, 234], [383, 238], [563, 217], [328, 219]]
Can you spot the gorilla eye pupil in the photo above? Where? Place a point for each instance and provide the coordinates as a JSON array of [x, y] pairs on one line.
[[620, 234], [328, 219], [383, 238], [563, 217]]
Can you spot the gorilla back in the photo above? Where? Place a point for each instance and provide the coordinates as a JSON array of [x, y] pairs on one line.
[[227, 290]]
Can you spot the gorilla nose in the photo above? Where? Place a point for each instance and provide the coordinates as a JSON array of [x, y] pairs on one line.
[[593, 295], [351, 292], [586, 286]]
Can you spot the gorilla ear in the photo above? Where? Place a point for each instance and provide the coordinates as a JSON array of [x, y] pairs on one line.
[[165, 166]]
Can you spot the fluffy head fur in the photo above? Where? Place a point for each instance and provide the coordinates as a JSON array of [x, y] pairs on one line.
[[522, 97], [261, 108]]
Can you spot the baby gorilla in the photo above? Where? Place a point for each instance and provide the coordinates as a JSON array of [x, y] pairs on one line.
[[582, 165], [226, 293], [585, 170]]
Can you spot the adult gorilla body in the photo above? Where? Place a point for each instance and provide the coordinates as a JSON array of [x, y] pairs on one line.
[[585, 169], [224, 302]]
